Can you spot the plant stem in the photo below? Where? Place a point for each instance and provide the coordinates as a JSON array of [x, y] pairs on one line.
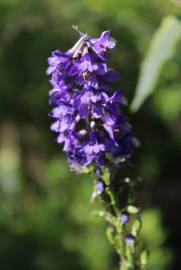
[[124, 223]]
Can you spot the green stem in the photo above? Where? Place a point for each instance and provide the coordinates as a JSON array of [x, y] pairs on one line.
[[123, 235]]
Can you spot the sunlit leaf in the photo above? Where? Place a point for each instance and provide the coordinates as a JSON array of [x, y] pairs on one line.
[[161, 49]]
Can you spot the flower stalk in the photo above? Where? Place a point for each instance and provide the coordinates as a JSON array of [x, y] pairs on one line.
[[124, 222]]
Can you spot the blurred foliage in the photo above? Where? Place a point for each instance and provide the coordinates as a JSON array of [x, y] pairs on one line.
[[161, 49], [154, 235], [45, 216]]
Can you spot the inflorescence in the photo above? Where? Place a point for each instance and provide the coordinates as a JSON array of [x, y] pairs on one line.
[[87, 110]]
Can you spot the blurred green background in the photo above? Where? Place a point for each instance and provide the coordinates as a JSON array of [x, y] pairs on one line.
[[45, 216]]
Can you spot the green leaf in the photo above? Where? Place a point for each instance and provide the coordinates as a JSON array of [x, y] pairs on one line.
[[161, 49]]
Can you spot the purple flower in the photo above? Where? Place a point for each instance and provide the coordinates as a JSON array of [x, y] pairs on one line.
[[130, 240], [87, 111], [124, 218], [100, 186], [103, 45], [58, 61]]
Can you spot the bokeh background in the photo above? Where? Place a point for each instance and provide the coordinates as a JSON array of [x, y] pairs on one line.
[[45, 216]]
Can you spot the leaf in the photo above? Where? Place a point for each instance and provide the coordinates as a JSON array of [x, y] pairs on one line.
[[161, 49]]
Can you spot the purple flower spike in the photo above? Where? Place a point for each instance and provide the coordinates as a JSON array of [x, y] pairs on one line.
[[87, 111]]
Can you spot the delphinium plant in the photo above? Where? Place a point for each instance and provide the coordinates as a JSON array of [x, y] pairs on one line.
[[97, 137]]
